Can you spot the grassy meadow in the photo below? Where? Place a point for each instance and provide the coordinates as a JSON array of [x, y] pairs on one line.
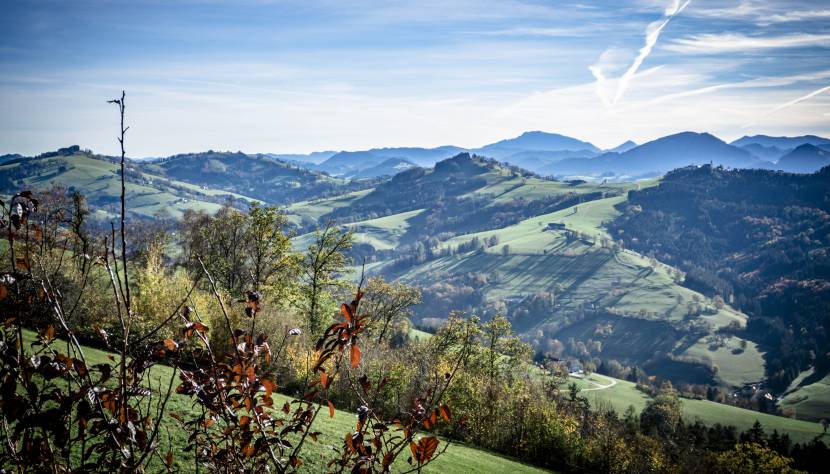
[[458, 459], [621, 394]]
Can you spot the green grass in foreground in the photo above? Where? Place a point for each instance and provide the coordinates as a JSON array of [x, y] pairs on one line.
[[624, 393], [458, 458]]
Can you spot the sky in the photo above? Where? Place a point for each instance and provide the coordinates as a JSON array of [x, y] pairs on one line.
[[294, 77]]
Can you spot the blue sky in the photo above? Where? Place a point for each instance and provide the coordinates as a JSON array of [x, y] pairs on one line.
[[274, 76]]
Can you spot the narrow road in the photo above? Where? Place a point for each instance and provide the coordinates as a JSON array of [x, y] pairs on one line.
[[611, 382]]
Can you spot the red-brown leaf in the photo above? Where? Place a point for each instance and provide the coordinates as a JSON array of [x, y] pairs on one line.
[[269, 386], [445, 412], [426, 449], [346, 311], [355, 355], [331, 409]]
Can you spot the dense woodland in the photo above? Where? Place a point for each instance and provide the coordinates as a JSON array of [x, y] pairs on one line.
[[758, 239]]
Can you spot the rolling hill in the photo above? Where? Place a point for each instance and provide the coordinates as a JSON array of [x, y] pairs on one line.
[[258, 176], [198, 181], [620, 394], [479, 236], [755, 237], [98, 178], [487, 237]]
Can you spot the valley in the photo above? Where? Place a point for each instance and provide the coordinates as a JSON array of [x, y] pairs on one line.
[[604, 298], [484, 237]]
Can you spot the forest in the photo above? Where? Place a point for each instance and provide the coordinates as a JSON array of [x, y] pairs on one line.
[[755, 238]]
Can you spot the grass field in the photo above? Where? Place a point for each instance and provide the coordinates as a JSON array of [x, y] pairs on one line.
[[312, 211], [736, 365], [624, 393], [383, 233], [459, 458], [809, 398]]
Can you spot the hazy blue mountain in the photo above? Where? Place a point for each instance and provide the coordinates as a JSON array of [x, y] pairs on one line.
[[390, 167], [804, 159], [781, 142], [623, 147], [314, 157], [767, 153], [534, 141], [662, 155], [346, 163], [538, 161], [417, 155], [363, 163]]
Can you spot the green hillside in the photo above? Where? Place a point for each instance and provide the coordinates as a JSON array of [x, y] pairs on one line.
[[199, 181], [528, 236], [620, 394], [808, 396], [758, 238], [97, 177], [459, 458], [259, 176]]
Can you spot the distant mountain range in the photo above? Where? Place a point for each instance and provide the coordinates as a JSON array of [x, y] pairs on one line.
[[662, 155], [551, 154], [283, 178], [774, 148]]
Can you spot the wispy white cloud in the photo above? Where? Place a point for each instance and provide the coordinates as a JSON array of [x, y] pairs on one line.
[[550, 32], [798, 15], [762, 12], [737, 42]]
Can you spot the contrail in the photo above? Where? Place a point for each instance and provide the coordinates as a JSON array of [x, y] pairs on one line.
[[795, 101], [790, 104], [652, 35]]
